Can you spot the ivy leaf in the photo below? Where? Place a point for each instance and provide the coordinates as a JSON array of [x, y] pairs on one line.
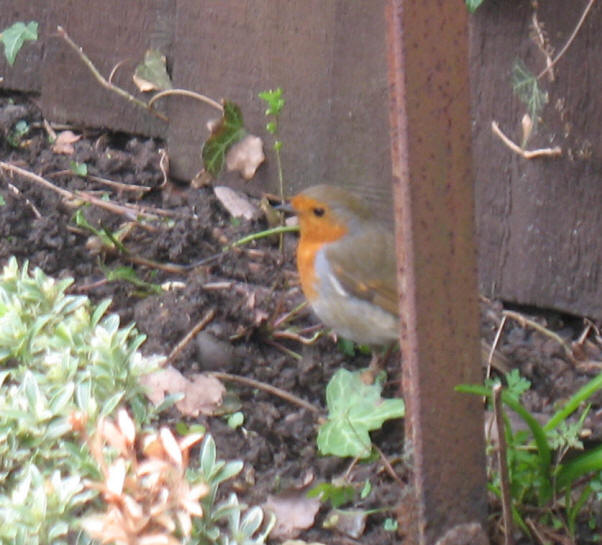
[[151, 75], [79, 169], [229, 130], [472, 5], [15, 36], [354, 409]]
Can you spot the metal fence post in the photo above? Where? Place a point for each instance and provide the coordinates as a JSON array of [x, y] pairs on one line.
[[434, 207]]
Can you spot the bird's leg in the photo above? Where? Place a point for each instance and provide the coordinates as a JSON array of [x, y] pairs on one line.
[[377, 363]]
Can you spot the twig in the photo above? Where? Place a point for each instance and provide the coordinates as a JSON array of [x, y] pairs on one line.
[[284, 349], [199, 326], [49, 130], [389, 467], [536, 532], [542, 43], [20, 195], [494, 345], [114, 70], [569, 41], [503, 466], [119, 185], [102, 80], [293, 336], [287, 396], [524, 321], [527, 154], [289, 315], [164, 166], [185, 93], [131, 212]]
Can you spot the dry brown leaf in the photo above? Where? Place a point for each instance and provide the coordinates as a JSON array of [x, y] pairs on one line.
[[350, 522], [202, 394], [64, 142], [294, 512], [237, 204], [246, 156]]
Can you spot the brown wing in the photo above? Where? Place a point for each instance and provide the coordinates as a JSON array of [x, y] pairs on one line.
[[365, 266]]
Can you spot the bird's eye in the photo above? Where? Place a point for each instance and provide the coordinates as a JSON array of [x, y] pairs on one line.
[[318, 212]]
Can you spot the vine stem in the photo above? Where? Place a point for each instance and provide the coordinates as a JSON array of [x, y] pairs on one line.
[[185, 93], [569, 41], [101, 79]]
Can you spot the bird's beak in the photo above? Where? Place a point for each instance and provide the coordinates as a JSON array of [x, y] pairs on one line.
[[285, 207]]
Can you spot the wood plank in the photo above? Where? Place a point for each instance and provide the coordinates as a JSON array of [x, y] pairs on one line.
[[110, 32], [235, 54], [539, 220], [358, 127]]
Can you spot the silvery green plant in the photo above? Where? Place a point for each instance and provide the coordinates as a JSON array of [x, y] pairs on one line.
[[58, 355], [242, 526], [60, 358]]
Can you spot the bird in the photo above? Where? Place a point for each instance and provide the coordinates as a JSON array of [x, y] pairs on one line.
[[347, 267]]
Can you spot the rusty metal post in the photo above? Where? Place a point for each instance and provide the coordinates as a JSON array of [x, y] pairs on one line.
[[434, 207]]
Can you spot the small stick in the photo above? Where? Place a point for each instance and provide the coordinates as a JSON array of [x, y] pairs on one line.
[[200, 325], [20, 195], [129, 211], [102, 80], [119, 185], [287, 396], [389, 467], [527, 154], [298, 336], [524, 321], [503, 466], [494, 345]]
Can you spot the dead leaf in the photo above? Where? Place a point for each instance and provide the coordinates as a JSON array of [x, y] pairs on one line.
[[237, 204], [64, 142], [151, 75], [202, 394], [294, 512], [350, 522], [246, 156]]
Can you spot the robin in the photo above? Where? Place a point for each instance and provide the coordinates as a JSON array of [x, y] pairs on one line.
[[347, 267]]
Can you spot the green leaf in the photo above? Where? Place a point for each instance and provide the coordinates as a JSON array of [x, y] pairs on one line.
[[235, 420], [274, 100], [472, 5], [390, 525], [582, 464], [2, 201], [346, 346], [354, 409], [151, 75], [15, 36], [129, 275], [227, 132], [337, 495], [79, 169], [526, 88]]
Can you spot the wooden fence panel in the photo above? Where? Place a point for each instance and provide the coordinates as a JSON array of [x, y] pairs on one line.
[[540, 220], [110, 32]]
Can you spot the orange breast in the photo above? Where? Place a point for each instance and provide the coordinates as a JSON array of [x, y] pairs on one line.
[[306, 255]]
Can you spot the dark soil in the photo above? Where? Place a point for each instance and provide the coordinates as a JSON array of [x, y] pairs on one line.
[[249, 289]]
